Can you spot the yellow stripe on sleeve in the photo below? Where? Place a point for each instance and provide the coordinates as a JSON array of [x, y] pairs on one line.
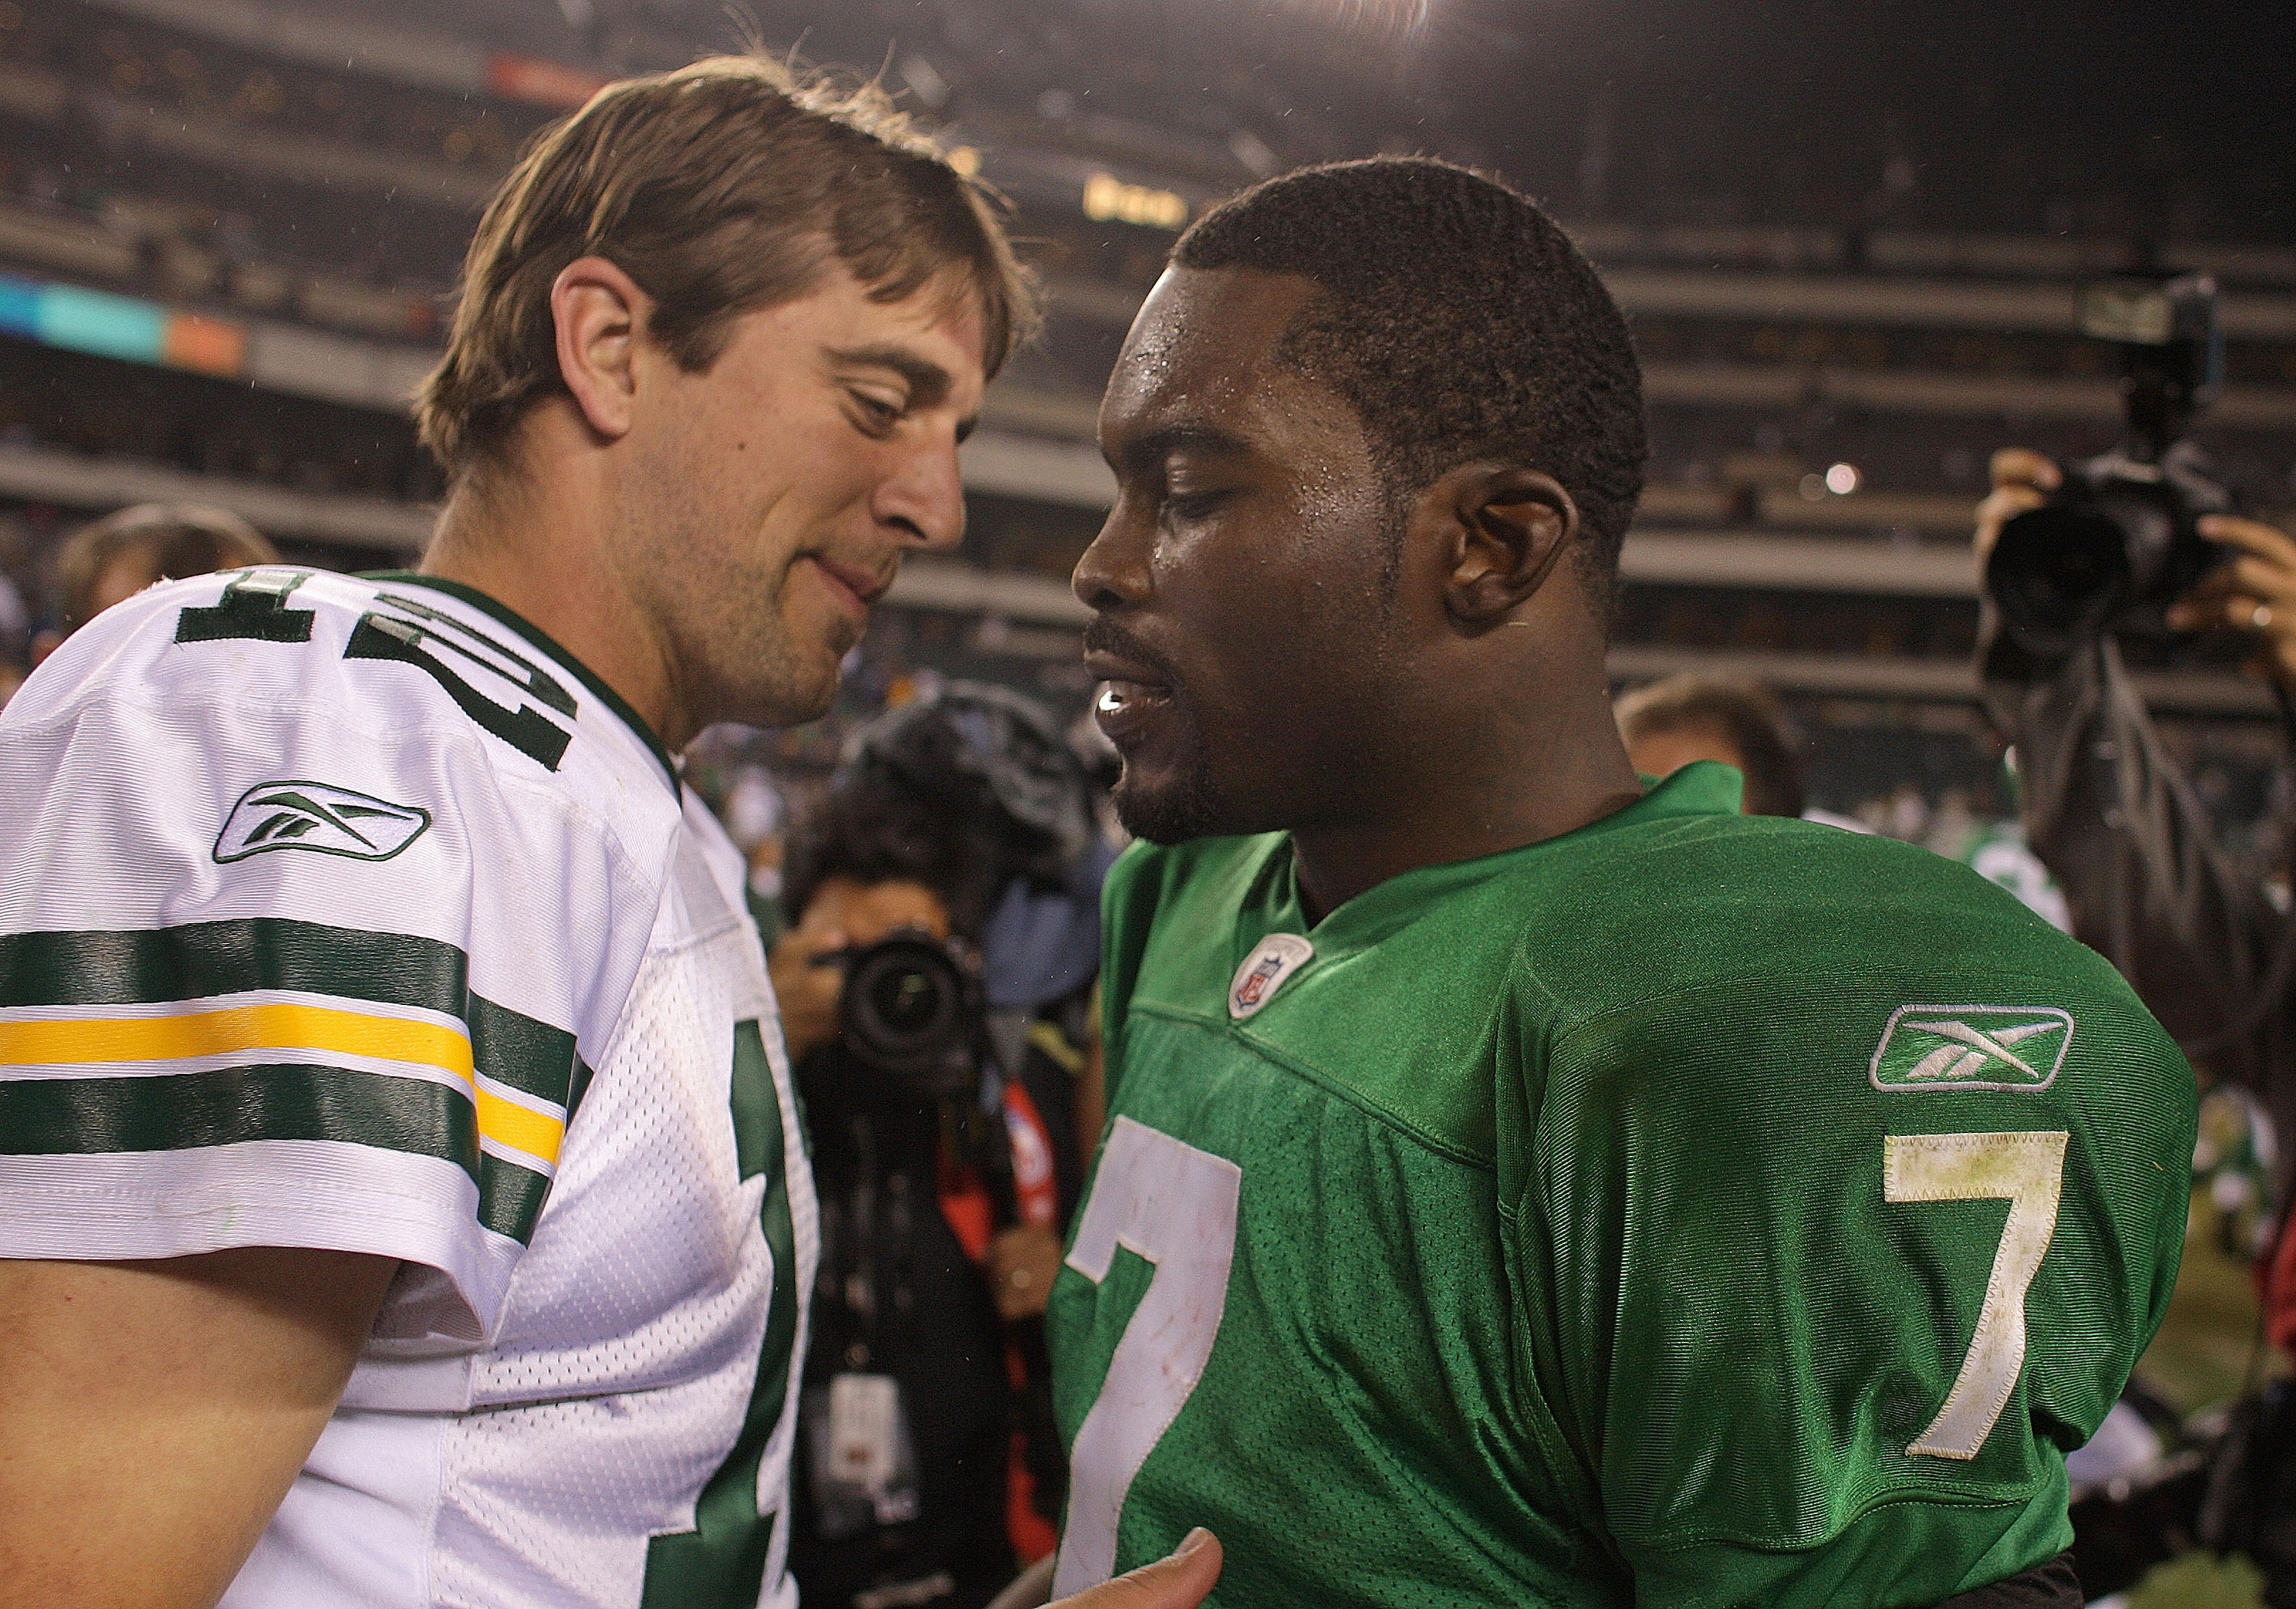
[[535, 1133], [276, 1026], [279, 1025]]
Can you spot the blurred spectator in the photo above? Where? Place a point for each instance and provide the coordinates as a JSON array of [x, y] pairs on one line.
[[117, 556], [753, 814], [1670, 723], [967, 818]]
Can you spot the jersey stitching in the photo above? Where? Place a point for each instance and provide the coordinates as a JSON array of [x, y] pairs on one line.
[[1330, 1084], [1721, 980], [1949, 1495]]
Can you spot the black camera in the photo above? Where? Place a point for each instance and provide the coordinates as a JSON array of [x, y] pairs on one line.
[[911, 1009], [2119, 540]]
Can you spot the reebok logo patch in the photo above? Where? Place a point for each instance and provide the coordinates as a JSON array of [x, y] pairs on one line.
[[317, 816], [1972, 1048]]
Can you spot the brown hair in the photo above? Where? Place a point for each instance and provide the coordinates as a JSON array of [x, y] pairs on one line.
[[1743, 714], [722, 188], [176, 539]]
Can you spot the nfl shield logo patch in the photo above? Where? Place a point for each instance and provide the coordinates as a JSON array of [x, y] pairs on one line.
[[1972, 1048], [1272, 960]]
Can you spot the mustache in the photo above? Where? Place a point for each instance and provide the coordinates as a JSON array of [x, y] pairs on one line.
[[1103, 636]]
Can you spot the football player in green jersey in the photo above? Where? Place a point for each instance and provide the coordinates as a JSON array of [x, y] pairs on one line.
[[1523, 1187]]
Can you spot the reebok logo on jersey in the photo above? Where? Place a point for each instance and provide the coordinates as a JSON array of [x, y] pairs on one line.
[[1972, 1048], [1272, 960], [317, 816]]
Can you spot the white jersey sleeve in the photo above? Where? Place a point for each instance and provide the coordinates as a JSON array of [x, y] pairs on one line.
[[320, 901]]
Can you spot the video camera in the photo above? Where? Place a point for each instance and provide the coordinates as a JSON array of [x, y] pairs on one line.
[[2119, 540]]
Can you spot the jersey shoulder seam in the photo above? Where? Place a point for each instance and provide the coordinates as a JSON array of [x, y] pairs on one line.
[[1720, 980], [1945, 1495], [438, 735], [1337, 1087]]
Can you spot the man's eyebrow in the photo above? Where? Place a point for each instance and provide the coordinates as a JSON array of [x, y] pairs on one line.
[[927, 381], [1142, 454]]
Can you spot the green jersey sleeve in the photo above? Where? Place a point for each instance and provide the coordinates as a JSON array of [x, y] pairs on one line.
[[1822, 1282]]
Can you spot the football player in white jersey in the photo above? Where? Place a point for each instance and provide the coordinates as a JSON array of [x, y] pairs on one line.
[[402, 1197]]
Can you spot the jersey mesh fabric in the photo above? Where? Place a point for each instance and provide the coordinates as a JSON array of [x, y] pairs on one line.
[[596, 1425], [1562, 1268]]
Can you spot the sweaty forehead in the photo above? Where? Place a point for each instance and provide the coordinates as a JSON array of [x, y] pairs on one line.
[[1204, 347]]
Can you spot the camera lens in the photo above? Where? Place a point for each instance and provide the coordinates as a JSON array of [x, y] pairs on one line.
[[2059, 574], [907, 1010], [904, 1000]]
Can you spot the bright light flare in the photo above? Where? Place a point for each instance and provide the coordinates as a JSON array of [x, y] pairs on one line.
[[1401, 21], [1841, 480]]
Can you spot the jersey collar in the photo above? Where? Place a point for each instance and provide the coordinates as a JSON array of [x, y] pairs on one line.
[[1702, 788], [542, 640]]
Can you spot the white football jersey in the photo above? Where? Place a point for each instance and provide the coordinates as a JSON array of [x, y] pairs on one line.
[[354, 914]]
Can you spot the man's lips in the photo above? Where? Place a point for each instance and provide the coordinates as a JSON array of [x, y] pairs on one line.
[[1107, 667], [863, 587], [1131, 695]]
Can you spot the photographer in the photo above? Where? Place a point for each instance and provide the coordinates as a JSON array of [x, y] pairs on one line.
[[2111, 813], [936, 987]]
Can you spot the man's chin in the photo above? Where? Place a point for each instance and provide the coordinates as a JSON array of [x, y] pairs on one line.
[[1168, 810], [802, 695]]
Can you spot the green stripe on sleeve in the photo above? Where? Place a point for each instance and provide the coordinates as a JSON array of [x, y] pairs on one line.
[[155, 966], [195, 1111], [531, 1057], [510, 1197], [150, 965]]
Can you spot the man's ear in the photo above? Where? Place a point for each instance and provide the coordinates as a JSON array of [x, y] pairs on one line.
[[601, 315], [1507, 527]]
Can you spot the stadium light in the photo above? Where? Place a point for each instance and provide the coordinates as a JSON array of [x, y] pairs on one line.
[[1396, 20]]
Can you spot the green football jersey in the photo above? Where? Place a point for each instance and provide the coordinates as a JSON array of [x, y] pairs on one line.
[[1694, 1209]]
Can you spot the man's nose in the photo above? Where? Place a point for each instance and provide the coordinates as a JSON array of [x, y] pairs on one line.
[[927, 496], [1113, 572]]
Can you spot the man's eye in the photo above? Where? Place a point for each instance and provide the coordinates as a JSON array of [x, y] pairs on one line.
[[1192, 506], [878, 415]]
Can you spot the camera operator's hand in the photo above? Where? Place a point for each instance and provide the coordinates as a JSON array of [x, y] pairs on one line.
[[2022, 479], [1022, 1261], [807, 983], [2256, 592]]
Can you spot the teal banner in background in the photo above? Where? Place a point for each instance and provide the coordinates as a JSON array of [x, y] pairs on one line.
[[111, 326]]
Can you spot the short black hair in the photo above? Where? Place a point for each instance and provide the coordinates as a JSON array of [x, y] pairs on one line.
[[1458, 321], [870, 834], [1739, 711], [963, 792]]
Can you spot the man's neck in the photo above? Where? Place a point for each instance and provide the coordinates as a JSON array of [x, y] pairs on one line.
[[535, 542], [1515, 778]]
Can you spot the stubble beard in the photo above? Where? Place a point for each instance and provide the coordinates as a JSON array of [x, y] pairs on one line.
[[1188, 806]]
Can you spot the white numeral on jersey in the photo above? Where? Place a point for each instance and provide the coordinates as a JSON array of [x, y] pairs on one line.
[[1174, 1205], [2029, 1170]]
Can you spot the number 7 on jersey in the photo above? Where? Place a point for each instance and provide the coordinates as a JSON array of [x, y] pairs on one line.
[[2028, 1168], [1175, 1206]]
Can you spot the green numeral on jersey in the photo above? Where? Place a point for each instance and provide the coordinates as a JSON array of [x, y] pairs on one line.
[[381, 635], [253, 610], [721, 1563]]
